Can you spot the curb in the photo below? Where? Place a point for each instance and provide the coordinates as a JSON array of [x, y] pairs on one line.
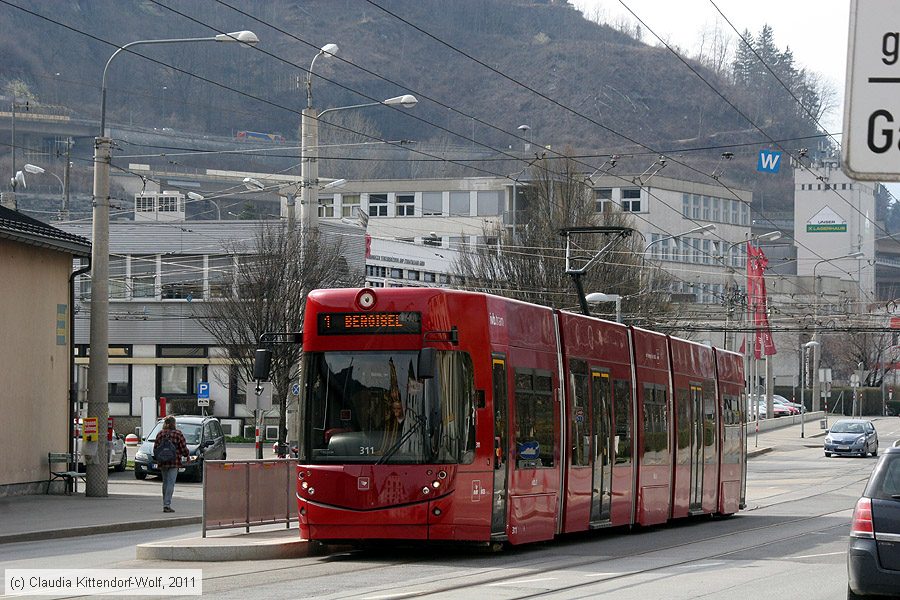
[[758, 451], [230, 549], [52, 534]]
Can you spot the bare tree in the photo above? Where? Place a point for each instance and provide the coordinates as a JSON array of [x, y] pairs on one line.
[[266, 293], [528, 263], [873, 350]]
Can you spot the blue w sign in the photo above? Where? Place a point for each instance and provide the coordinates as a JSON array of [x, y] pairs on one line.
[[769, 161]]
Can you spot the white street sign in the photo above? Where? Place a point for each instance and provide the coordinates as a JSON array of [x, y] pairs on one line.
[[871, 140]]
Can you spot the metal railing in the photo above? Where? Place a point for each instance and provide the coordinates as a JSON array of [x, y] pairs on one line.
[[247, 493]]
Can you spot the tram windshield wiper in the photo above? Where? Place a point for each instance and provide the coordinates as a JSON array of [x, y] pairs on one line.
[[420, 422]]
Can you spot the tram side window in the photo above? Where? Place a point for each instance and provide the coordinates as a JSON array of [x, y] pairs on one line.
[[709, 419], [683, 399], [534, 418], [622, 409], [656, 436], [732, 419], [581, 435]]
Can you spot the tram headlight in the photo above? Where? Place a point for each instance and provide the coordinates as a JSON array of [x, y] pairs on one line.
[[311, 491], [435, 484], [426, 490], [827, 440], [304, 485]]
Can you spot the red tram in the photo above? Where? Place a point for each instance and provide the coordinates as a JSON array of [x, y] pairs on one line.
[[434, 414]]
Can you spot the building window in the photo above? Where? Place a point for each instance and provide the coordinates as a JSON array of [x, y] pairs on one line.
[[181, 277], [459, 204], [488, 203], [406, 205], [706, 208], [745, 214], [631, 200], [429, 277], [220, 276], [326, 207], [396, 273], [378, 205], [695, 206], [433, 240], [686, 205], [707, 252], [143, 276], [118, 282], [349, 205], [458, 242], [412, 275], [118, 376], [180, 379], [432, 204], [716, 212], [602, 198]]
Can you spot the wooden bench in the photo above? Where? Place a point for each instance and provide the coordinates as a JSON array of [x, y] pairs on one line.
[[56, 458]]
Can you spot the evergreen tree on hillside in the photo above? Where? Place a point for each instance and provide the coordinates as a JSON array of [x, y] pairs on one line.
[[761, 71]]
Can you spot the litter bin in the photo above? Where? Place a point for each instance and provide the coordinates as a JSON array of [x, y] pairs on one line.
[[823, 424]]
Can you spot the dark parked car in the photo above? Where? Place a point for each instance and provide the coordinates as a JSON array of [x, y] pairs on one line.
[[204, 438], [873, 559], [851, 436]]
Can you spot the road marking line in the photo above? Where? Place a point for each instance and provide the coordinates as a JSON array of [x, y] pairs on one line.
[[815, 555], [517, 582]]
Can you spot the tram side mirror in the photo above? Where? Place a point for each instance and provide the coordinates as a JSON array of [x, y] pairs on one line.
[[262, 364], [426, 363]]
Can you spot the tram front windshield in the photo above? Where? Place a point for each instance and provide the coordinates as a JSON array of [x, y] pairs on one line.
[[370, 407]]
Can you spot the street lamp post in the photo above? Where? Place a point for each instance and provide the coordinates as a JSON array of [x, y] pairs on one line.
[[309, 142], [601, 297], [813, 344], [98, 374], [817, 355]]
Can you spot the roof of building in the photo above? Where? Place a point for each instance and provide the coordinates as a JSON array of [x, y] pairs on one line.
[[21, 228]]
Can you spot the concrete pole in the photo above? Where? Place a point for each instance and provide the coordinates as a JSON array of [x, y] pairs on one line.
[[65, 209], [96, 484], [309, 169], [814, 372]]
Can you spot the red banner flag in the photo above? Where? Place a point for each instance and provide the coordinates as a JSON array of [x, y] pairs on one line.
[[756, 301]]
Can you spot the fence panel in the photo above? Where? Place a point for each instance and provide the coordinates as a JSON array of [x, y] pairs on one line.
[[243, 493]]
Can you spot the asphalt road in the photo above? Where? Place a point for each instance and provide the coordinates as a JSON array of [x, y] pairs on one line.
[[790, 543]]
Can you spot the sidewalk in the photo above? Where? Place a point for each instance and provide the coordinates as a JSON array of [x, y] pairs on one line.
[[138, 505]]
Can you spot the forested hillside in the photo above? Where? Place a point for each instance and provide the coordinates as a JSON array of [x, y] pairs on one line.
[[480, 69]]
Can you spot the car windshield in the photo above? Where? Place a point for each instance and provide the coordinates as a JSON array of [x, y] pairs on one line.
[[191, 431], [847, 427], [369, 407]]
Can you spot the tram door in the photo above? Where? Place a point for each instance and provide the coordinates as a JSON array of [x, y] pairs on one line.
[[697, 458], [601, 403], [501, 441]]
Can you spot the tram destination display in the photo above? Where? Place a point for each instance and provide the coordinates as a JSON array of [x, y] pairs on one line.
[[375, 323]]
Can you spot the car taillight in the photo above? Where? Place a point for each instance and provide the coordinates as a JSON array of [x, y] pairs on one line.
[[862, 526]]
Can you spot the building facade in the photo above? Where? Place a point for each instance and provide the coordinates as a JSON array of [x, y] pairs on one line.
[[35, 309]]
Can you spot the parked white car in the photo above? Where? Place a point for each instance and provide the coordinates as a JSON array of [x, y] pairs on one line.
[[118, 455]]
